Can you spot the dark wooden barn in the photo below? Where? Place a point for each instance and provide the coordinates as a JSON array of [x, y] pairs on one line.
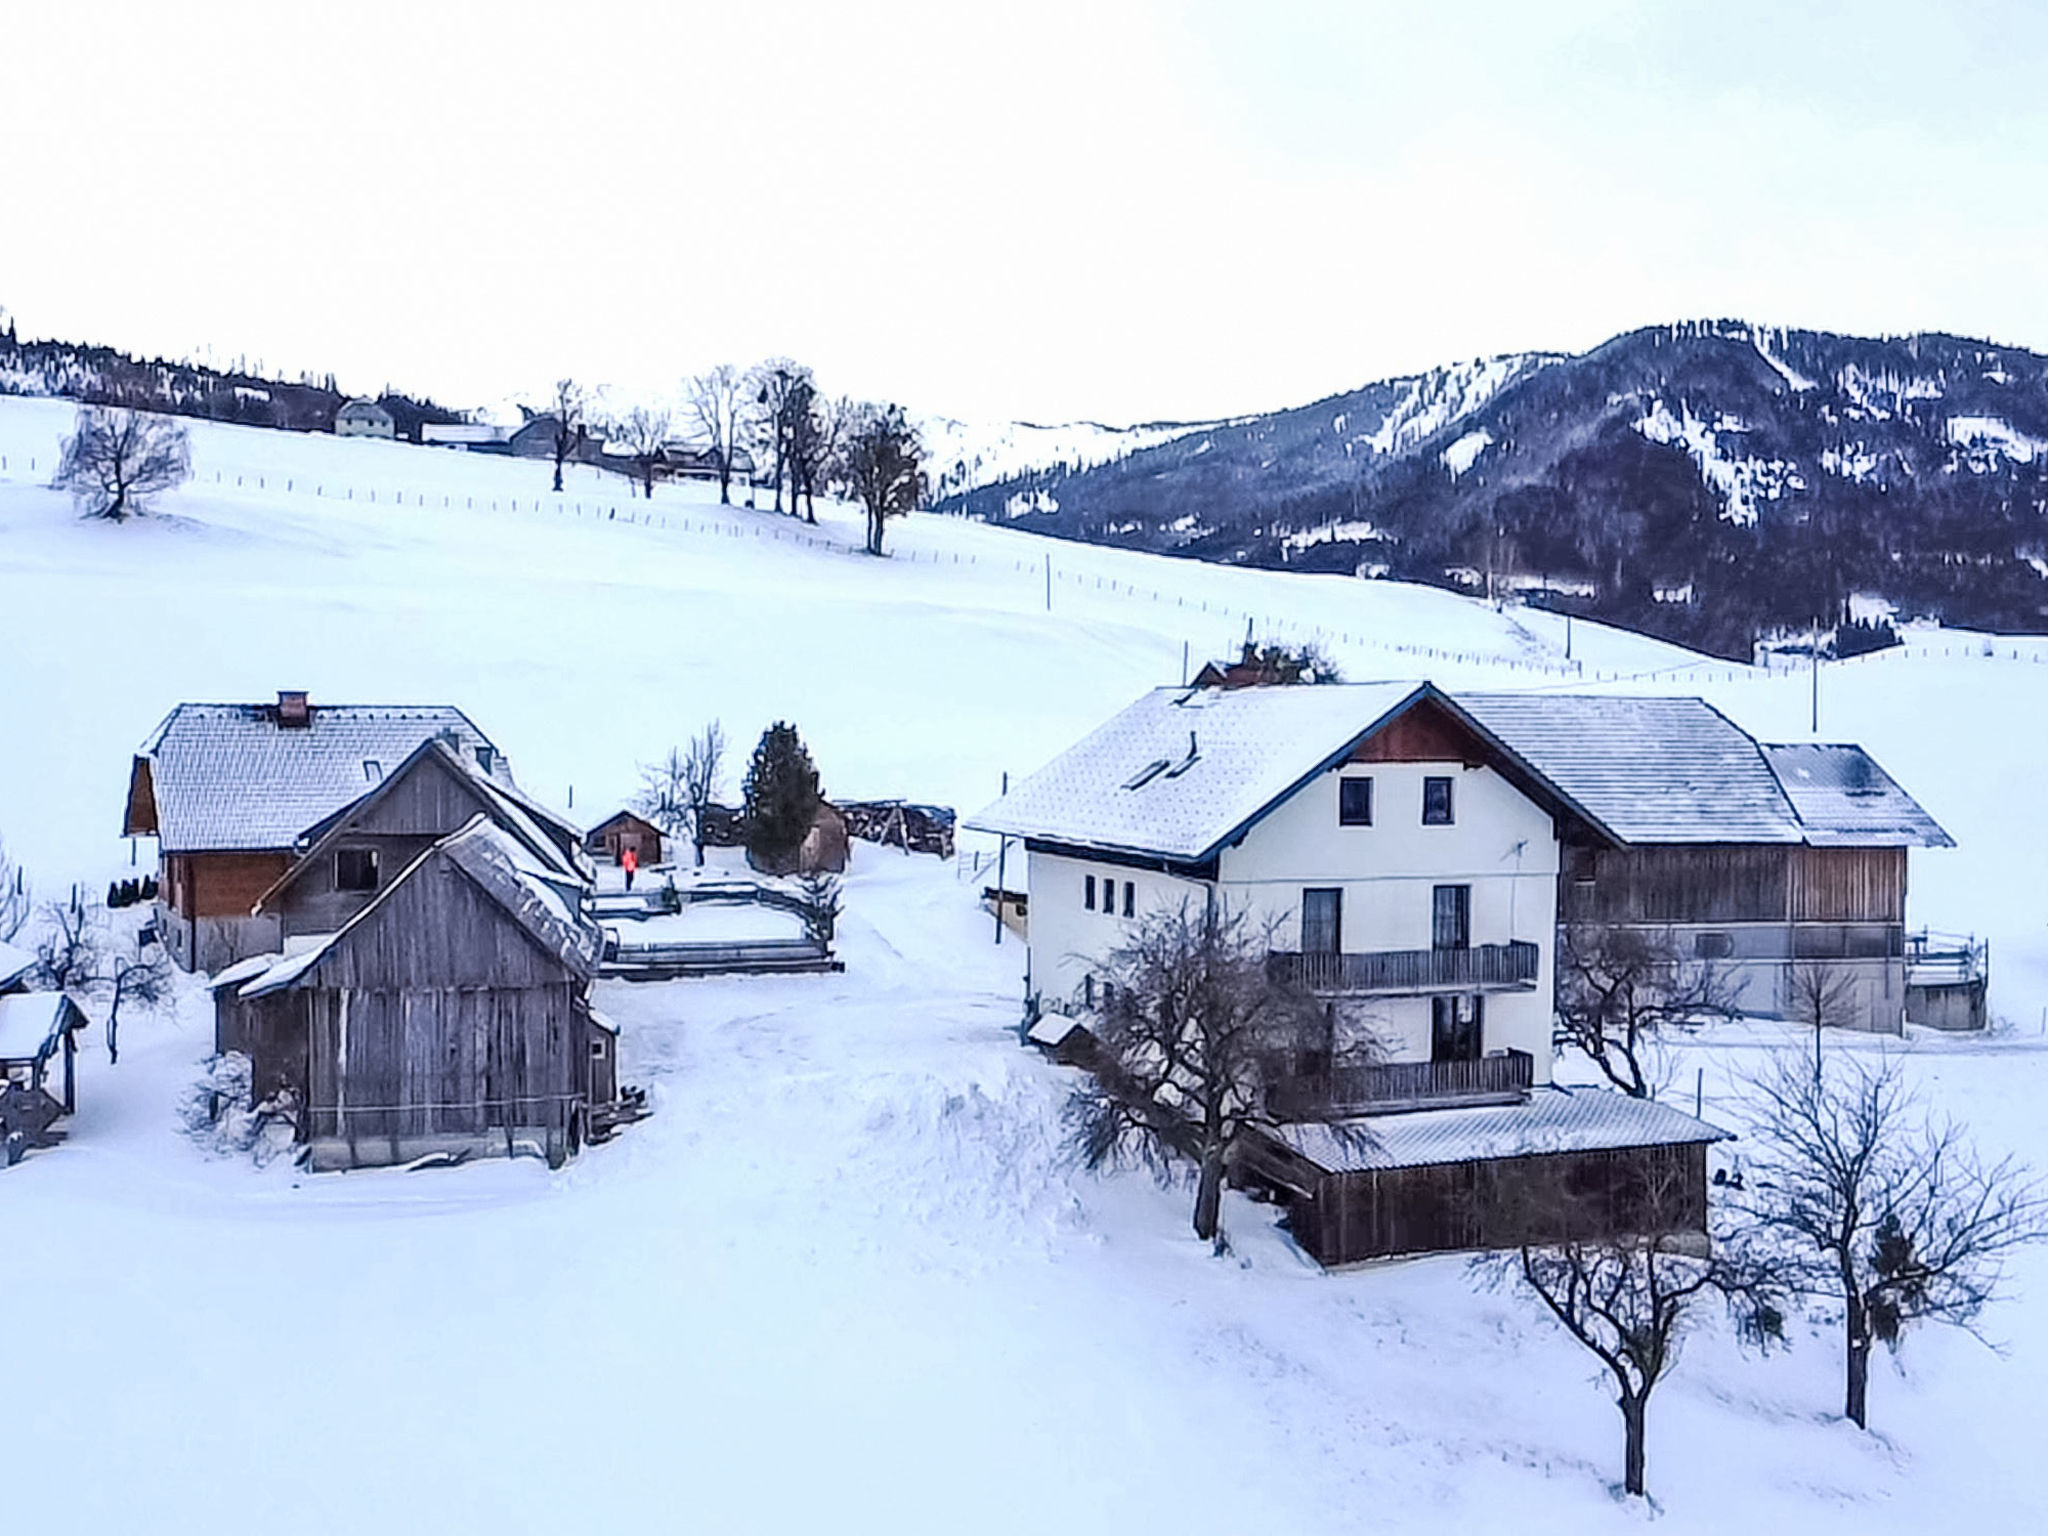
[[1565, 1164], [610, 839], [450, 1016], [348, 858]]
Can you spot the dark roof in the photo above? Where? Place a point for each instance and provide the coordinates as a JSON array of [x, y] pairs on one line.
[[228, 776], [1843, 798]]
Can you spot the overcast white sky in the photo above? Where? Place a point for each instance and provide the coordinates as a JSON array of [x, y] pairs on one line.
[[1104, 208]]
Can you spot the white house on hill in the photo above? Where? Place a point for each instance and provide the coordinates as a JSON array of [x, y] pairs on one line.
[[364, 418]]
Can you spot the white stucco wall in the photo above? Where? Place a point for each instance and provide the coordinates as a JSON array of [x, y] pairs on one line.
[[1499, 843]]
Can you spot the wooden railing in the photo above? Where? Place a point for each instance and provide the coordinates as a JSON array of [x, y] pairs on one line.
[[1484, 967], [1505, 1078]]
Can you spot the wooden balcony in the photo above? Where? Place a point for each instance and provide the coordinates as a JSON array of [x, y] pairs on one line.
[[1398, 972], [1389, 1087]]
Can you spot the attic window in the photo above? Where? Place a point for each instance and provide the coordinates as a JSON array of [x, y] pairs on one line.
[[1147, 774], [355, 869], [373, 771], [484, 758]]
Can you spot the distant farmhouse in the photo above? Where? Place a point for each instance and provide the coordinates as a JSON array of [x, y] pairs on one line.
[[1420, 855], [468, 436], [364, 418], [623, 830]]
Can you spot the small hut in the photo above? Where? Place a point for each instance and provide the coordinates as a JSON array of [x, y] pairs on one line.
[[39, 1038], [449, 1017], [611, 838]]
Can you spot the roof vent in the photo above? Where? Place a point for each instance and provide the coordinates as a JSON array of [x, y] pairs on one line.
[[294, 711]]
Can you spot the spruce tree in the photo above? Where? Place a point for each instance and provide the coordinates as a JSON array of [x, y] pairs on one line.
[[782, 799]]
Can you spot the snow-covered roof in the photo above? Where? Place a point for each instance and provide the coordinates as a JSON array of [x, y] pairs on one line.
[[14, 964], [1843, 797], [1650, 770], [228, 776], [1554, 1119], [1179, 772], [532, 893], [30, 1023], [520, 816], [1184, 770]]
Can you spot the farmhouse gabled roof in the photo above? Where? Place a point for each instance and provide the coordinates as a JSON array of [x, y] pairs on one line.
[[531, 893], [561, 852], [1843, 797], [1554, 1119], [1184, 771], [228, 776]]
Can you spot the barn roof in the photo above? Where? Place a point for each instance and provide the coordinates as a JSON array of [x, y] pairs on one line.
[[229, 776], [1183, 771], [1654, 770], [31, 1023], [533, 894], [1553, 1119], [1843, 797], [520, 816]]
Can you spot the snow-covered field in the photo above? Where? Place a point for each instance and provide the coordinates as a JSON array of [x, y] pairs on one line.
[[844, 1275]]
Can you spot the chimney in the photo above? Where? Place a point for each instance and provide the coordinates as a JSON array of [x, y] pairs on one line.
[[293, 711]]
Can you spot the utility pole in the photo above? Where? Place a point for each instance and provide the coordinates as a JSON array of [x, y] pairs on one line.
[[1815, 727], [1048, 583]]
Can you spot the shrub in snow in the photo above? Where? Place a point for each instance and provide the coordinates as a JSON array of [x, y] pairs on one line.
[[219, 1116]]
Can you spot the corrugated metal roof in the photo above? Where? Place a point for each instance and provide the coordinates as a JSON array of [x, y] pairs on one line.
[[1653, 770], [1179, 771], [1554, 1119], [227, 776], [1842, 797]]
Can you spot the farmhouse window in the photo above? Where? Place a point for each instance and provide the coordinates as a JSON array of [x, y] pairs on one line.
[[1713, 946], [1436, 802], [1354, 802], [1130, 899], [1322, 921], [355, 869], [1088, 892], [597, 1050], [1451, 917]]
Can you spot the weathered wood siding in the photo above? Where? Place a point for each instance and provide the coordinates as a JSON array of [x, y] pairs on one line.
[[1424, 734], [271, 1032], [1849, 885], [1342, 1218], [1676, 883]]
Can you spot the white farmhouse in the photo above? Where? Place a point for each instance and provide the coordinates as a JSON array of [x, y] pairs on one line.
[[364, 418]]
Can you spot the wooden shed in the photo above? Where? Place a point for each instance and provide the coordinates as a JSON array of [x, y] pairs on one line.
[[449, 1017], [39, 1046], [610, 839], [1567, 1163]]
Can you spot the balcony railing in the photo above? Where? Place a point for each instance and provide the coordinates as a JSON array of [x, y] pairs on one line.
[[1388, 1087], [1482, 968]]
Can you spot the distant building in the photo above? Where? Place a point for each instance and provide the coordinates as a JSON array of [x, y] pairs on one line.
[[611, 838], [364, 418], [467, 436]]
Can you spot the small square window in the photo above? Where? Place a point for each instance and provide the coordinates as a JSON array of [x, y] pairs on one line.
[[1436, 802], [597, 1050], [1088, 892], [1713, 946], [355, 869], [1354, 802], [1130, 899]]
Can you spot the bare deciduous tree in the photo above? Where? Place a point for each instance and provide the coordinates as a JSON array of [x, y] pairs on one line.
[[883, 467], [718, 401], [570, 409], [1823, 997], [1188, 1016], [817, 427], [663, 798], [143, 981], [644, 430], [115, 460], [1618, 988], [703, 765], [70, 952], [773, 386], [1871, 1203]]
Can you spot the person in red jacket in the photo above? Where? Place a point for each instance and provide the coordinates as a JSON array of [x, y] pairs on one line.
[[629, 861]]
